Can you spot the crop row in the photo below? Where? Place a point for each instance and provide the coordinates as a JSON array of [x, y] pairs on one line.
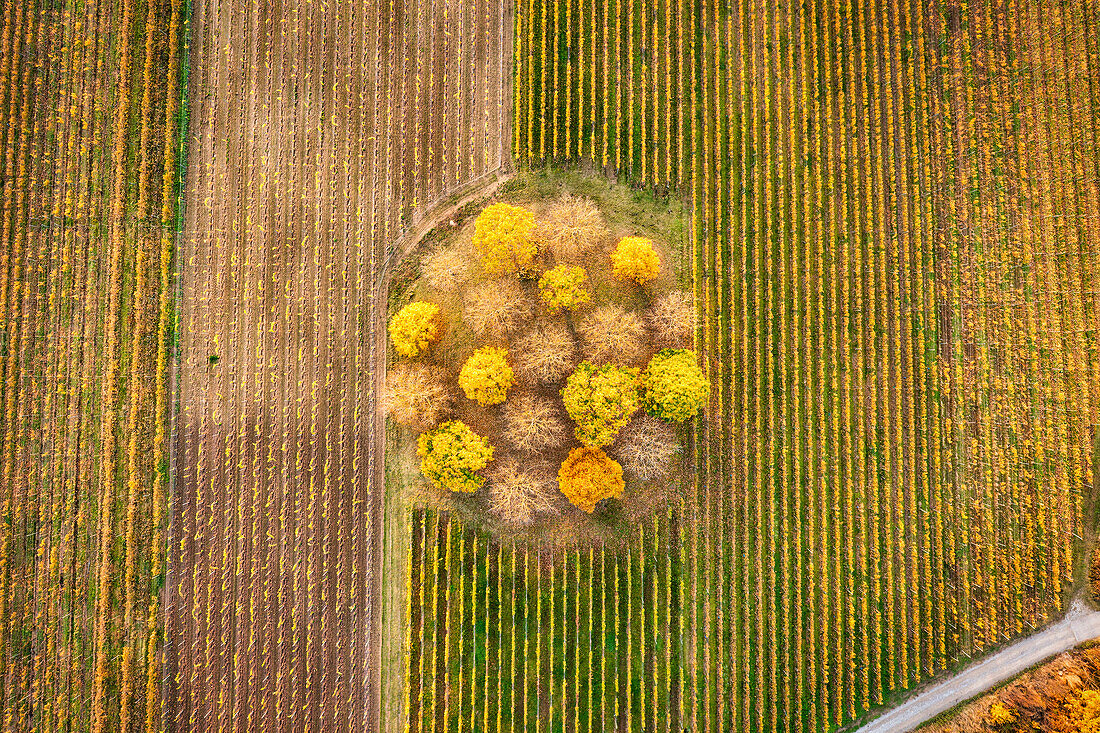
[[88, 153], [333, 127], [507, 638], [894, 253]]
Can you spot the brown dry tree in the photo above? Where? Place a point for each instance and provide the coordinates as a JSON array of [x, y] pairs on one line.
[[415, 396], [672, 318], [546, 353], [570, 228], [612, 335], [497, 307], [533, 424], [645, 447], [520, 493], [447, 268]]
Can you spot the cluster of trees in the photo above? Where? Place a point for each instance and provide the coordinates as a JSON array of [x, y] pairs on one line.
[[536, 296]]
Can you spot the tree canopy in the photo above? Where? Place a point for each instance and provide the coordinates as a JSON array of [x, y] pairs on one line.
[[600, 400], [452, 455]]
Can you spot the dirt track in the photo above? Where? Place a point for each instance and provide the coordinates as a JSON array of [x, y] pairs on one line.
[[1079, 626], [317, 133]]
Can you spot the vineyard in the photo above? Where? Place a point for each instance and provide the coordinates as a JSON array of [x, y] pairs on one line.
[[894, 237], [319, 133], [89, 123], [893, 244]]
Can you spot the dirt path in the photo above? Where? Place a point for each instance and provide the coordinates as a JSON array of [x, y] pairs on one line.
[[1079, 625], [389, 592]]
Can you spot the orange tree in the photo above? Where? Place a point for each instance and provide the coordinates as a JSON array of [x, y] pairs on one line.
[[600, 400], [589, 476], [452, 455]]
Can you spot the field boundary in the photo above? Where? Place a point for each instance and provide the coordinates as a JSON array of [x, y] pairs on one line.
[[421, 225], [1076, 627], [183, 125]]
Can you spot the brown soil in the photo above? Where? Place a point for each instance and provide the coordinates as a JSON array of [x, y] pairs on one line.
[[304, 163]]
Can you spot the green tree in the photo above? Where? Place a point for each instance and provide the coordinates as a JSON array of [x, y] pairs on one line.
[[600, 400], [674, 385], [452, 455]]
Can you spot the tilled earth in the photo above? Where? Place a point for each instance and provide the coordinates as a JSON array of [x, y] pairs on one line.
[[317, 132]]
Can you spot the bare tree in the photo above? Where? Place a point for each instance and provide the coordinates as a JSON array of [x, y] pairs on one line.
[[497, 307], [415, 396], [571, 227], [447, 268], [672, 319], [518, 494], [611, 334], [533, 424], [546, 353], [645, 447]]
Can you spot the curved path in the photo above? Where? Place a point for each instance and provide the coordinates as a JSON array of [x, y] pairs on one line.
[[1079, 625], [387, 704]]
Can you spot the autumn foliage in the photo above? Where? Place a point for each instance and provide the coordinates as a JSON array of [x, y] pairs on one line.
[[526, 312], [600, 400], [452, 455], [635, 259], [486, 376], [502, 238], [589, 476], [674, 385], [414, 328], [564, 288], [1061, 696]]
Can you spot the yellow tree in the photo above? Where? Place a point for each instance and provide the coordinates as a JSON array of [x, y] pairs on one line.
[[486, 376], [414, 327], [452, 455], [502, 238], [635, 259]]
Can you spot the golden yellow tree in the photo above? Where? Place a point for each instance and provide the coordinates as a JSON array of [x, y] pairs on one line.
[[414, 327], [486, 376], [635, 259], [452, 455], [600, 400], [502, 238], [563, 288]]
